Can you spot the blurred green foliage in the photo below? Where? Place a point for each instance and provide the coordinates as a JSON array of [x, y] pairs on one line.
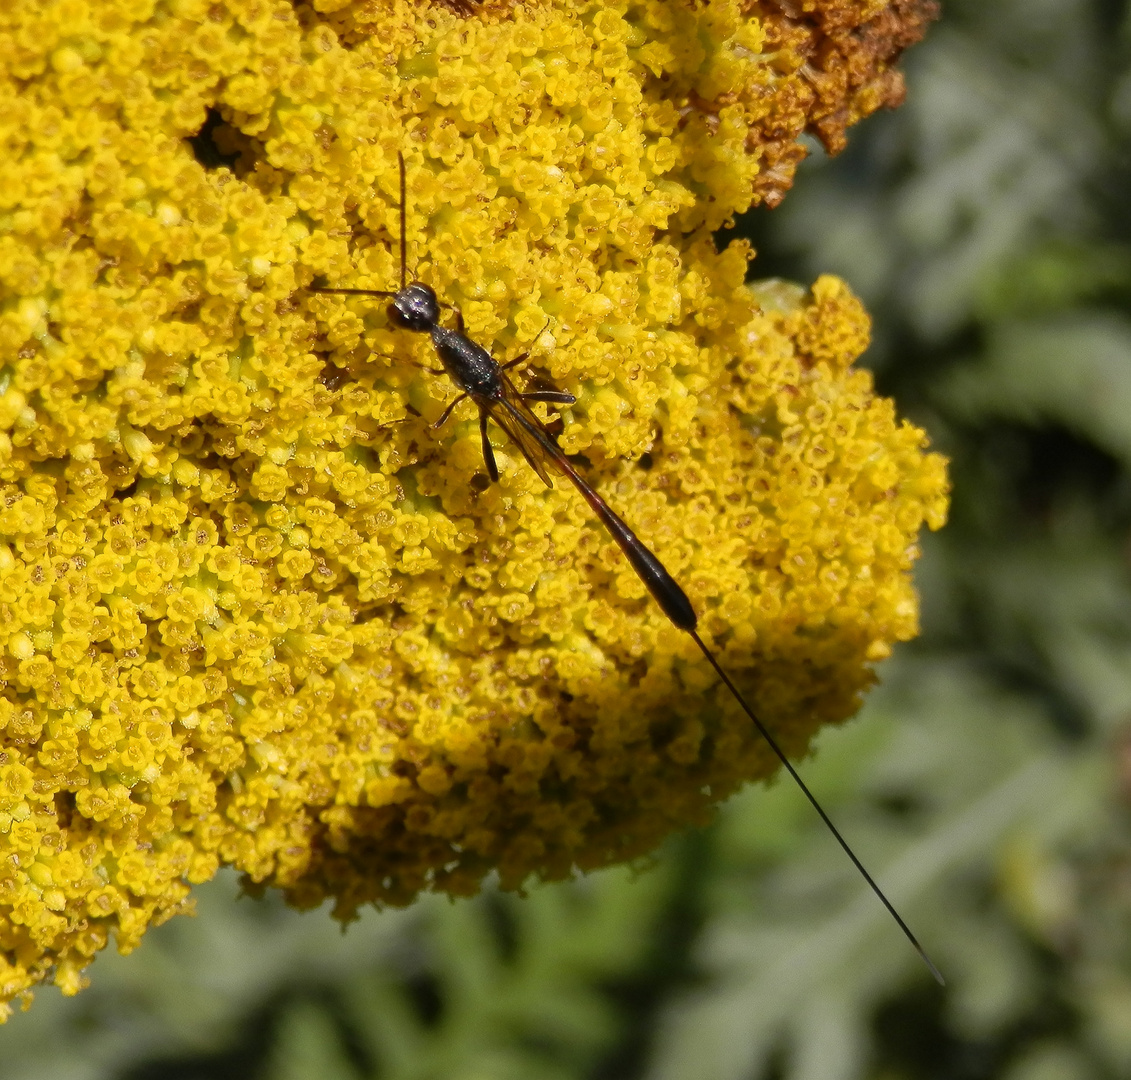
[[987, 225]]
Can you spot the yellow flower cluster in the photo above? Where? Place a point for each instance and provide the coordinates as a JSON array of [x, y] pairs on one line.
[[252, 610]]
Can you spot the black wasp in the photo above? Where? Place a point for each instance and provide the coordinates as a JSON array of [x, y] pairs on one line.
[[478, 376]]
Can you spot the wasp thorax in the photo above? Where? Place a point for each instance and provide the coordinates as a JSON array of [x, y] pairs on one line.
[[415, 307]]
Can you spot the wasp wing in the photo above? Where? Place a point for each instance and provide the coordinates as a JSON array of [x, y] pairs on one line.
[[525, 430]]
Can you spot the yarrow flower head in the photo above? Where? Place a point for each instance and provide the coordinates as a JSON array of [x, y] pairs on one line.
[[253, 611]]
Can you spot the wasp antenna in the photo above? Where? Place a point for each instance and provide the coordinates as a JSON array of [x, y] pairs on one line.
[[350, 292], [404, 247]]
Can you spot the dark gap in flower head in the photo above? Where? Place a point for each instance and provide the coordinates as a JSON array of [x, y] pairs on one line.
[[645, 461], [211, 146], [663, 731], [554, 427], [334, 377], [64, 808]]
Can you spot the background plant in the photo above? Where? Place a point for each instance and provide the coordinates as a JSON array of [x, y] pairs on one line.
[[986, 226]]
